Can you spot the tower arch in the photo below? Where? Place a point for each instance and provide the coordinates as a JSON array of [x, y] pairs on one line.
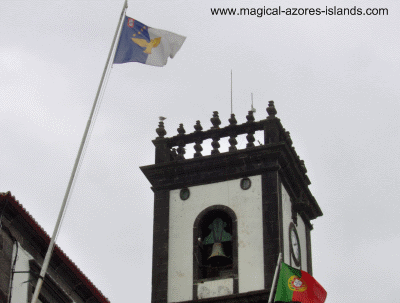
[[203, 267]]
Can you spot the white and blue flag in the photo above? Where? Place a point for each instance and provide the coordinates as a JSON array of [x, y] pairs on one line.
[[140, 43]]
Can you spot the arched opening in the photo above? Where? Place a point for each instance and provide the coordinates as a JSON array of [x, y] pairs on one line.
[[215, 244]]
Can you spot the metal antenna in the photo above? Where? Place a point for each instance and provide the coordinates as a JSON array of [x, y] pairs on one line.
[[231, 94], [252, 108]]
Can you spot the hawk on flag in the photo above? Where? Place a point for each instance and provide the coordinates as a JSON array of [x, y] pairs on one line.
[[147, 45]]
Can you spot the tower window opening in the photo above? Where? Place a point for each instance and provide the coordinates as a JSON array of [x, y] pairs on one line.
[[216, 247]]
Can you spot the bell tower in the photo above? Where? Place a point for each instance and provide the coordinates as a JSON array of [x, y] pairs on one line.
[[221, 220]]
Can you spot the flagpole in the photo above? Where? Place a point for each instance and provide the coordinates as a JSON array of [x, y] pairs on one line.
[[278, 264], [78, 158]]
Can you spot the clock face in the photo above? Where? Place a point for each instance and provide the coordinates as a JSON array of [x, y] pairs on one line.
[[294, 244]]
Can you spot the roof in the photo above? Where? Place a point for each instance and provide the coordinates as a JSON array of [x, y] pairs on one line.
[[15, 209]]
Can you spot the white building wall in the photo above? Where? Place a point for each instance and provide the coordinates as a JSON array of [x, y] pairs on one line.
[[20, 284], [286, 220], [301, 231], [247, 205], [215, 288]]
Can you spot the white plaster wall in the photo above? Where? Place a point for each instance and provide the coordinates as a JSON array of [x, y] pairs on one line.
[[215, 288], [19, 286], [286, 220], [301, 231], [246, 204]]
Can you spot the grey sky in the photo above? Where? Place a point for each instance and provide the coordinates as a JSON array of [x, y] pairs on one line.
[[334, 80]]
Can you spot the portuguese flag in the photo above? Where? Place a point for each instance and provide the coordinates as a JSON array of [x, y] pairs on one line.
[[295, 285]]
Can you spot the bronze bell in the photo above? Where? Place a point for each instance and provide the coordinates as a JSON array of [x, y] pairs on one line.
[[218, 257], [217, 251], [216, 237]]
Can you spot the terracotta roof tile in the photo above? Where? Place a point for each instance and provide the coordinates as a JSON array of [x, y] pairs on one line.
[[57, 250]]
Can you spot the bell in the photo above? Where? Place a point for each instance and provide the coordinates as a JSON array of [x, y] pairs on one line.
[[218, 257], [217, 250]]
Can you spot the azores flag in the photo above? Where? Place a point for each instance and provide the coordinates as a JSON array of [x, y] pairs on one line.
[[140, 43]]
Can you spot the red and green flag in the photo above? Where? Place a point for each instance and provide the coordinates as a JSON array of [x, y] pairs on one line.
[[295, 285]]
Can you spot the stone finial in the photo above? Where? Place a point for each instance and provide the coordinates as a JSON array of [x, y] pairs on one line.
[[250, 117], [181, 130], [198, 127], [215, 120], [161, 130], [271, 110], [232, 120]]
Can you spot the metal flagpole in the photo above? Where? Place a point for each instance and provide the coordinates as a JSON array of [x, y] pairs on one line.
[[78, 158], [275, 277]]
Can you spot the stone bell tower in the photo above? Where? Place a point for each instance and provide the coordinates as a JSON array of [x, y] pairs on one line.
[[221, 220]]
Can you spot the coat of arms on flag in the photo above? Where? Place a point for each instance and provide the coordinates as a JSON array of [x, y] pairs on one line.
[[140, 43], [296, 285]]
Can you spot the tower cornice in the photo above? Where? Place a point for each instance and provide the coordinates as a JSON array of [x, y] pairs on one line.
[[232, 165]]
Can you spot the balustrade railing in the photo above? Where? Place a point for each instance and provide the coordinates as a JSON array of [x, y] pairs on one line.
[[173, 148]]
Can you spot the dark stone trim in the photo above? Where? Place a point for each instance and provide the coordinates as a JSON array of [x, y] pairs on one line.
[[3, 297], [163, 154], [236, 285], [271, 223], [309, 255], [237, 164], [216, 132], [159, 290], [194, 291], [211, 169], [297, 262], [196, 248]]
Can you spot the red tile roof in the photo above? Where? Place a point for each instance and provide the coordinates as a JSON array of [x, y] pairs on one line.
[[14, 204]]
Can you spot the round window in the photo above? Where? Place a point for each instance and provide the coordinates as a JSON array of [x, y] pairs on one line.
[[245, 183], [185, 193]]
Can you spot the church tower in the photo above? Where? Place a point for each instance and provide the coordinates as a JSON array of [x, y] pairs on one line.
[[221, 220]]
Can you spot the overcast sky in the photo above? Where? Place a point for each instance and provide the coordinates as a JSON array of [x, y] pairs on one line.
[[335, 83]]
